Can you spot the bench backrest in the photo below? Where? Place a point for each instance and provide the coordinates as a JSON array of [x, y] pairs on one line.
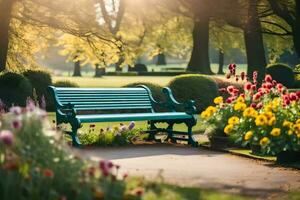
[[97, 99]]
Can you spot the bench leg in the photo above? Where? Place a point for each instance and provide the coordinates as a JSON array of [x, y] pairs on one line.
[[191, 140], [75, 139], [170, 132]]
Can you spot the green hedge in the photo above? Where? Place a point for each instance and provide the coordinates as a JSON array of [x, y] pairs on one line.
[[199, 88], [282, 73], [65, 84], [14, 89]]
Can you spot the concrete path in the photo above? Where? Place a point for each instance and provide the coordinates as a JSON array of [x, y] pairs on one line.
[[186, 166]]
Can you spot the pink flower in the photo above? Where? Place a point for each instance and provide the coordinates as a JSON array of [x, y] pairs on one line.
[[6, 137], [298, 94], [259, 105], [247, 86], [253, 87], [222, 90], [256, 96], [16, 124], [30, 105], [16, 110], [269, 85], [268, 78], [293, 96], [230, 89], [279, 86], [253, 105]]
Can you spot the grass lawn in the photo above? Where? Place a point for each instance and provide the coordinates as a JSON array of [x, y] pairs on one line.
[[139, 125], [161, 191], [113, 81]]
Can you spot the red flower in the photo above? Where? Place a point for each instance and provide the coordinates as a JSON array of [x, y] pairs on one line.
[[253, 87], [298, 94], [253, 105], [268, 78], [256, 96], [259, 105], [230, 89], [293, 96], [228, 76], [222, 90], [247, 86], [48, 173]]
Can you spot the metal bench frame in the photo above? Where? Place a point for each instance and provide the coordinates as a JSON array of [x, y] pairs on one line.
[[67, 112]]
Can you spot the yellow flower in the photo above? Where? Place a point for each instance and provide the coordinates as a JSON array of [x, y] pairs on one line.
[[211, 109], [298, 121], [248, 135], [264, 141], [297, 128], [205, 115], [218, 100], [250, 112], [290, 132], [261, 120], [233, 120], [298, 135], [240, 99], [276, 132], [268, 107], [272, 121], [269, 115], [228, 129], [287, 124], [239, 106]]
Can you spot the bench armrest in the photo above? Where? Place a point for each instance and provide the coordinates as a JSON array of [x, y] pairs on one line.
[[173, 104]]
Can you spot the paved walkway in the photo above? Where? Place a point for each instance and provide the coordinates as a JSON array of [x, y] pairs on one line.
[[188, 166]]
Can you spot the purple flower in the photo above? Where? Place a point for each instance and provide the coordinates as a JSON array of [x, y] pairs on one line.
[[123, 128], [30, 105], [131, 125], [16, 110], [43, 103], [16, 124], [6, 137]]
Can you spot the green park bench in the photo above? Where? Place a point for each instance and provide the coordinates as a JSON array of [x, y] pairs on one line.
[[90, 105]]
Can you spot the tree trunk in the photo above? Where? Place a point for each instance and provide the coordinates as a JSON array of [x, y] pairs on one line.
[[77, 69], [118, 64], [99, 72], [296, 30], [221, 62], [254, 42], [5, 17], [161, 59], [199, 61]]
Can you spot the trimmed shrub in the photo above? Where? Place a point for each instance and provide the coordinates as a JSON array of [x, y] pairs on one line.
[[65, 84], [138, 68], [14, 89], [155, 89], [282, 73], [199, 88], [40, 80]]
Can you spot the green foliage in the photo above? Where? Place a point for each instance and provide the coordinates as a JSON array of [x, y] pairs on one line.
[[138, 68], [40, 80], [282, 73], [14, 89], [65, 84], [199, 88]]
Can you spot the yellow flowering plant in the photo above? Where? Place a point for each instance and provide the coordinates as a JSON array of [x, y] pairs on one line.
[[267, 116], [274, 130]]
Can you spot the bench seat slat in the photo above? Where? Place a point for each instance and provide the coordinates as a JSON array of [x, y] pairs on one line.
[[109, 103], [133, 117]]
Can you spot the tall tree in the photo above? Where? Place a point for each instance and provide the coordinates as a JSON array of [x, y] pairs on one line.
[[289, 11], [6, 7], [254, 41]]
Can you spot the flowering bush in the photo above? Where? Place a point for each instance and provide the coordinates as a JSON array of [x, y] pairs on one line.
[[118, 135], [267, 116], [35, 163]]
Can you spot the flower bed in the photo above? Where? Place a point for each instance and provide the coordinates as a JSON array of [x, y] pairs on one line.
[[265, 118], [35, 163]]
